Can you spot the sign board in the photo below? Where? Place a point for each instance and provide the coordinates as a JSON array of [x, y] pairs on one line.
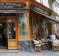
[[39, 10], [11, 5]]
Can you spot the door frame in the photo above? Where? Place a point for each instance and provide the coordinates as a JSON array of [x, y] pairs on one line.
[[16, 30]]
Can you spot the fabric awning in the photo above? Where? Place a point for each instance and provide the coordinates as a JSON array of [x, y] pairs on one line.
[[49, 17]]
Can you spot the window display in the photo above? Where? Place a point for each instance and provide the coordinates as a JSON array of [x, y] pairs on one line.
[[45, 28], [34, 26], [23, 29]]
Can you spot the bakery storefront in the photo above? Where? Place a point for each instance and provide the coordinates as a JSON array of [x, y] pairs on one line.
[[21, 22], [13, 23]]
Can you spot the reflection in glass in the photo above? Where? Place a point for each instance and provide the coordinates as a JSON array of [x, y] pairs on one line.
[[36, 27], [11, 29], [23, 25], [45, 28]]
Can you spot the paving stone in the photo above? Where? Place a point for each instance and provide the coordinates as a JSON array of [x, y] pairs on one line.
[[23, 53]]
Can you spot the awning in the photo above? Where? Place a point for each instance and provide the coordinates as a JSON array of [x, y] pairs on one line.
[[49, 17]]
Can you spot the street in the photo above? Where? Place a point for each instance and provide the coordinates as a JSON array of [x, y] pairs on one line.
[[31, 53]]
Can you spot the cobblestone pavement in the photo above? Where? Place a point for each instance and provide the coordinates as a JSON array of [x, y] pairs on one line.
[[32, 53]]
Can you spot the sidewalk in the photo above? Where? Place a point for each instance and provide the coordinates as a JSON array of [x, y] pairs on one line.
[[23, 53]]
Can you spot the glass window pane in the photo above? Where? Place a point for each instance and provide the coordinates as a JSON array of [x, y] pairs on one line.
[[36, 27], [45, 28], [11, 29], [23, 29]]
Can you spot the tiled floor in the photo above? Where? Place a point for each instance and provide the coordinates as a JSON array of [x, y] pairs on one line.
[[32, 53]]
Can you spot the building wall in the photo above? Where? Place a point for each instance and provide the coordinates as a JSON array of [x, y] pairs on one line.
[[22, 42], [55, 15]]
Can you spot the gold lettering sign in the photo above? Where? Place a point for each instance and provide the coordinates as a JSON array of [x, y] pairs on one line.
[[11, 5], [39, 10]]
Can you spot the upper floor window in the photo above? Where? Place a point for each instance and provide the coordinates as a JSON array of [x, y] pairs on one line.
[[56, 8], [57, 1], [44, 2]]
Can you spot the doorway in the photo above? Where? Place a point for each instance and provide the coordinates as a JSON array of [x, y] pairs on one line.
[[3, 34], [8, 33]]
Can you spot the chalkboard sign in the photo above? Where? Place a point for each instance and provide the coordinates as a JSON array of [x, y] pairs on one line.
[[11, 5]]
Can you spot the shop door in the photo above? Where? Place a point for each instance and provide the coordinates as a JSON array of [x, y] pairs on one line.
[[12, 39]]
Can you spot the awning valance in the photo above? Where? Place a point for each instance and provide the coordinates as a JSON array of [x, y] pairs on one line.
[[49, 17]]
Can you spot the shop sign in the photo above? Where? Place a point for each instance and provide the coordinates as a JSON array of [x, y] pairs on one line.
[[39, 10], [11, 5]]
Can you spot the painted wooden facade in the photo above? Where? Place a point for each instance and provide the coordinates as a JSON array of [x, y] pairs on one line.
[[21, 41]]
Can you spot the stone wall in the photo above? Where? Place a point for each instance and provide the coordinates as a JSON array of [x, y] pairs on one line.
[[25, 45]]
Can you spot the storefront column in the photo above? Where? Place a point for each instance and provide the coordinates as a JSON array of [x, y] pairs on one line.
[[54, 29], [40, 20], [28, 25]]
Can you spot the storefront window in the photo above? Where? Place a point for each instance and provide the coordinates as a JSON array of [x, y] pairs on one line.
[[23, 29], [45, 28], [36, 27]]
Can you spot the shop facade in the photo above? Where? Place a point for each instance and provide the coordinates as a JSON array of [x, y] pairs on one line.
[[23, 21]]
